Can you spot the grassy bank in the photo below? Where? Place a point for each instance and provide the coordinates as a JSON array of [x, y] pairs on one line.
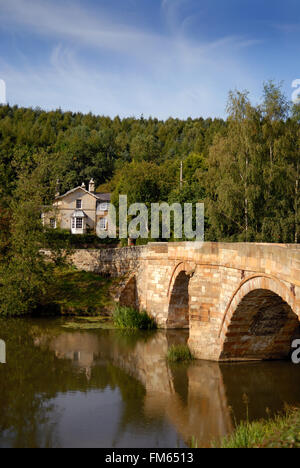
[[280, 432], [76, 292]]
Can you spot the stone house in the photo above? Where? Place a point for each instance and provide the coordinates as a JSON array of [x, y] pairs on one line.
[[79, 210]]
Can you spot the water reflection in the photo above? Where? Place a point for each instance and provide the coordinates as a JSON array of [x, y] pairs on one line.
[[115, 389]]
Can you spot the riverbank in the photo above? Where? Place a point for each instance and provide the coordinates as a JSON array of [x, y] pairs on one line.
[[81, 293], [280, 432]]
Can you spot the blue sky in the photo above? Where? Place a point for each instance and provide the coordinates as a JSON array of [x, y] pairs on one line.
[[161, 58]]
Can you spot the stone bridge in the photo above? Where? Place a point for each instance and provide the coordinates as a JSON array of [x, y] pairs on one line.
[[240, 301]]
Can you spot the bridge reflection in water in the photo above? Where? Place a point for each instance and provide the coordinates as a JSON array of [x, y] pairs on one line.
[[200, 400]]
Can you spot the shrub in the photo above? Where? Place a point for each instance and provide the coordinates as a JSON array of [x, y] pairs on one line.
[[64, 239], [179, 353], [130, 318]]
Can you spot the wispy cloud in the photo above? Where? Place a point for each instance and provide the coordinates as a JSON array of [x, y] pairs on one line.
[[169, 73], [287, 27], [68, 20]]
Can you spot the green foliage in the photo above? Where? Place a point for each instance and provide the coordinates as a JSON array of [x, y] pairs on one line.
[[245, 169], [142, 182], [78, 293], [252, 190], [281, 432], [128, 317], [63, 239], [248, 435], [88, 146], [25, 275], [179, 353]]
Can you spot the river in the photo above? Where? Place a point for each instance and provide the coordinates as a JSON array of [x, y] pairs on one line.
[[62, 387]]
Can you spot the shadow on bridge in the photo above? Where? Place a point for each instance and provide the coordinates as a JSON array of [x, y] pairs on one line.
[[261, 323]]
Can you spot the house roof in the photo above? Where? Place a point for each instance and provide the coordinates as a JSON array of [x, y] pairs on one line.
[[79, 214], [74, 190], [98, 196], [106, 197]]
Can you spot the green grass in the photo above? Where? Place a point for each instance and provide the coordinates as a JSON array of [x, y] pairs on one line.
[[283, 431], [130, 318], [179, 353], [79, 293]]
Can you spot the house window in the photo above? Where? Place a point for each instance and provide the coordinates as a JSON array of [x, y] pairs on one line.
[[73, 223], [78, 204], [53, 223], [103, 224], [78, 223], [104, 206]]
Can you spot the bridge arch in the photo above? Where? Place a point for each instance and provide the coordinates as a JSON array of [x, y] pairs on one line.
[[178, 297], [260, 321], [129, 294]]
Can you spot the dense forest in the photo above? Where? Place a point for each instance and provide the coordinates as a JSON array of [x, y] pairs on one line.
[[245, 169]]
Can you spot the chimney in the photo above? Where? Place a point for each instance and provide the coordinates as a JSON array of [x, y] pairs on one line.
[[57, 193], [83, 185], [92, 186]]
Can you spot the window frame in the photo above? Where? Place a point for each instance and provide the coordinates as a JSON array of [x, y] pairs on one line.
[[52, 223], [103, 228], [79, 223], [79, 202], [103, 206]]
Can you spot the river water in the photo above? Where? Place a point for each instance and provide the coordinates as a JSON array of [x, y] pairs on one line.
[[62, 387]]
